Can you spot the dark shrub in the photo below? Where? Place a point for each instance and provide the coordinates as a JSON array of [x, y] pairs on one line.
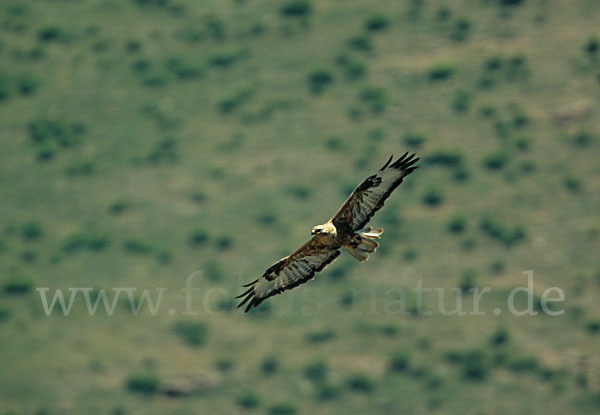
[[63, 133], [496, 230], [84, 168], [141, 65], [414, 140], [248, 400], [339, 273], [377, 23], [486, 82], [118, 207], [475, 363], [353, 67], [269, 365], [461, 100], [355, 113], [224, 364], [4, 313], [234, 101], [461, 173], [85, 241], [51, 33], [410, 254], [347, 300], [164, 151], [360, 382], [433, 197], [443, 13], [297, 8], [496, 160], [133, 46], [520, 118], [283, 408], [523, 364], [226, 304], [591, 47], [27, 84], [488, 111], [444, 158], [300, 192], [457, 224], [319, 79], [226, 57], [164, 257], [171, 6], [517, 68], [374, 98], [145, 383], [97, 242], [503, 129], [320, 336], [572, 184], [214, 271], [193, 333], [441, 71], [494, 63], [266, 218], [17, 285], [593, 326], [28, 256], [500, 337], [523, 143], [511, 2], [497, 266], [6, 87], [215, 27], [316, 371], [31, 231], [467, 282], [327, 392], [184, 68], [137, 246], [582, 139], [223, 243], [399, 362], [361, 43], [460, 30]]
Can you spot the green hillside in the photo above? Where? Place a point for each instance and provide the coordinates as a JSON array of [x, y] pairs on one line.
[[150, 145]]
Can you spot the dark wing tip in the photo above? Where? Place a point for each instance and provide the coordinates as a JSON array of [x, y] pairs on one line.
[[254, 303], [406, 163], [249, 297], [387, 163], [403, 163]]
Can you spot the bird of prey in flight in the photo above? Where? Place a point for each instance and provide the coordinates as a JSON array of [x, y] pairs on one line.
[[346, 229]]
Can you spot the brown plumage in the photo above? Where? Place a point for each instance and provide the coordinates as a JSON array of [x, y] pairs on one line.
[[343, 230]]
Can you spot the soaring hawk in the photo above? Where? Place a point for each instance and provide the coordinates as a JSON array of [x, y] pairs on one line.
[[346, 229]]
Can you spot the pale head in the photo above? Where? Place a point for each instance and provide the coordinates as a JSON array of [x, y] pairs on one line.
[[326, 228]]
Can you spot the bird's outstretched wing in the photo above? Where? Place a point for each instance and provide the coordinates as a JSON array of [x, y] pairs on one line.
[[371, 194], [289, 272]]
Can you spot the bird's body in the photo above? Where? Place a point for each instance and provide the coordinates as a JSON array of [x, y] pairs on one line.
[[346, 229]]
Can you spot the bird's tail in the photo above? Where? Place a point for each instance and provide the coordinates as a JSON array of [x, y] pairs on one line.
[[364, 243]]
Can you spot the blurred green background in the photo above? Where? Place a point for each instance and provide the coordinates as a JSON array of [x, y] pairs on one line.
[[144, 141]]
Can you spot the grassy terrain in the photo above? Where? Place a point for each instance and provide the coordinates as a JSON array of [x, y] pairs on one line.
[[144, 141]]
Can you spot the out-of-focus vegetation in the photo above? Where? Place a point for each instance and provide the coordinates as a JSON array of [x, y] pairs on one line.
[[156, 143]]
